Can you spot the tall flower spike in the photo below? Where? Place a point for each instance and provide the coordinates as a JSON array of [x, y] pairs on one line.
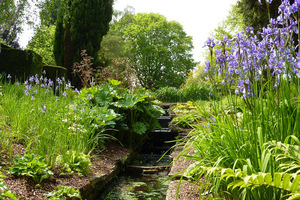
[[210, 43], [260, 2]]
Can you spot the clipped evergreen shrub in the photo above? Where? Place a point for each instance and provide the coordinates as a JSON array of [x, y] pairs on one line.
[[191, 93], [53, 71], [20, 64]]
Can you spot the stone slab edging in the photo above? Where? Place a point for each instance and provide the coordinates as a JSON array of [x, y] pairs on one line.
[[186, 190], [97, 184]]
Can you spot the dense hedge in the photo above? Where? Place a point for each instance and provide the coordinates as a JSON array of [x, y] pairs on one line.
[[53, 71], [190, 93], [20, 64]]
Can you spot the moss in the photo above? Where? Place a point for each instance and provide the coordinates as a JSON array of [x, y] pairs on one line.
[[20, 64], [53, 71]]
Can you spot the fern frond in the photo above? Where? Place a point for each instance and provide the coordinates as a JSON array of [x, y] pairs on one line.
[[294, 197], [287, 154], [289, 183]]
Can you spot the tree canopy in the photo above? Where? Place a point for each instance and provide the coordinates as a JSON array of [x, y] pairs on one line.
[[11, 17], [80, 25], [42, 43], [256, 15], [160, 49]]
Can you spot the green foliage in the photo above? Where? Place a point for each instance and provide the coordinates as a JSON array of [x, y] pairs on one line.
[[113, 46], [42, 43], [53, 71], [137, 109], [31, 166], [77, 28], [184, 121], [49, 11], [196, 78], [256, 15], [139, 128], [64, 193], [190, 93], [58, 44], [252, 136], [238, 179], [160, 48], [97, 27], [5, 194], [12, 15], [27, 64], [286, 154], [74, 161], [51, 124], [186, 114]]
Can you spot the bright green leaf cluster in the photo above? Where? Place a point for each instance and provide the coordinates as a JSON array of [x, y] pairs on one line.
[[139, 106], [31, 166], [74, 161], [160, 48], [64, 193]]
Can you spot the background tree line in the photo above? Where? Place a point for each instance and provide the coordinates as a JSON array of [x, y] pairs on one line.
[[156, 51]]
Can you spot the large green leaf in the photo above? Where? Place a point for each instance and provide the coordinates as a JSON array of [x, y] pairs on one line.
[[104, 98], [139, 128], [128, 101]]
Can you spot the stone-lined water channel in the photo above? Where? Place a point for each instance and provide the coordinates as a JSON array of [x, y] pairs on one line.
[[146, 177]]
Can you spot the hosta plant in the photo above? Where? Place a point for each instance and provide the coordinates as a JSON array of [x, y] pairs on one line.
[[32, 166], [64, 193], [184, 121], [74, 161]]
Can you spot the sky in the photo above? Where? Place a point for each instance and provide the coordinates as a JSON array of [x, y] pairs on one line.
[[199, 18]]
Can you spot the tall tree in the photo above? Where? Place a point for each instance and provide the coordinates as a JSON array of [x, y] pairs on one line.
[[49, 10], [42, 43], [256, 15], [11, 17], [82, 26], [160, 48]]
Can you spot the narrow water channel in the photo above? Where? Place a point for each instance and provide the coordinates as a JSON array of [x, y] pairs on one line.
[[140, 185], [146, 177]]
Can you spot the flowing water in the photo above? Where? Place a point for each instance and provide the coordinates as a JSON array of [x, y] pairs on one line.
[[146, 177], [133, 184], [140, 187]]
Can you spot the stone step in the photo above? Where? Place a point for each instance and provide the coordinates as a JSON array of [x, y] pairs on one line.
[[164, 121], [146, 169], [156, 149], [162, 130]]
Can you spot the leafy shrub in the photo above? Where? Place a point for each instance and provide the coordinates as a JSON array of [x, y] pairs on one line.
[[167, 94], [190, 93], [53, 71], [64, 193], [184, 121], [31, 166], [186, 114], [28, 63], [138, 111], [74, 161], [253, 156]]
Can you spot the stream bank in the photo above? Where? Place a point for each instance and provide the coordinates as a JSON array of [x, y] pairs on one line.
[[141, 177], [146, 176]]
